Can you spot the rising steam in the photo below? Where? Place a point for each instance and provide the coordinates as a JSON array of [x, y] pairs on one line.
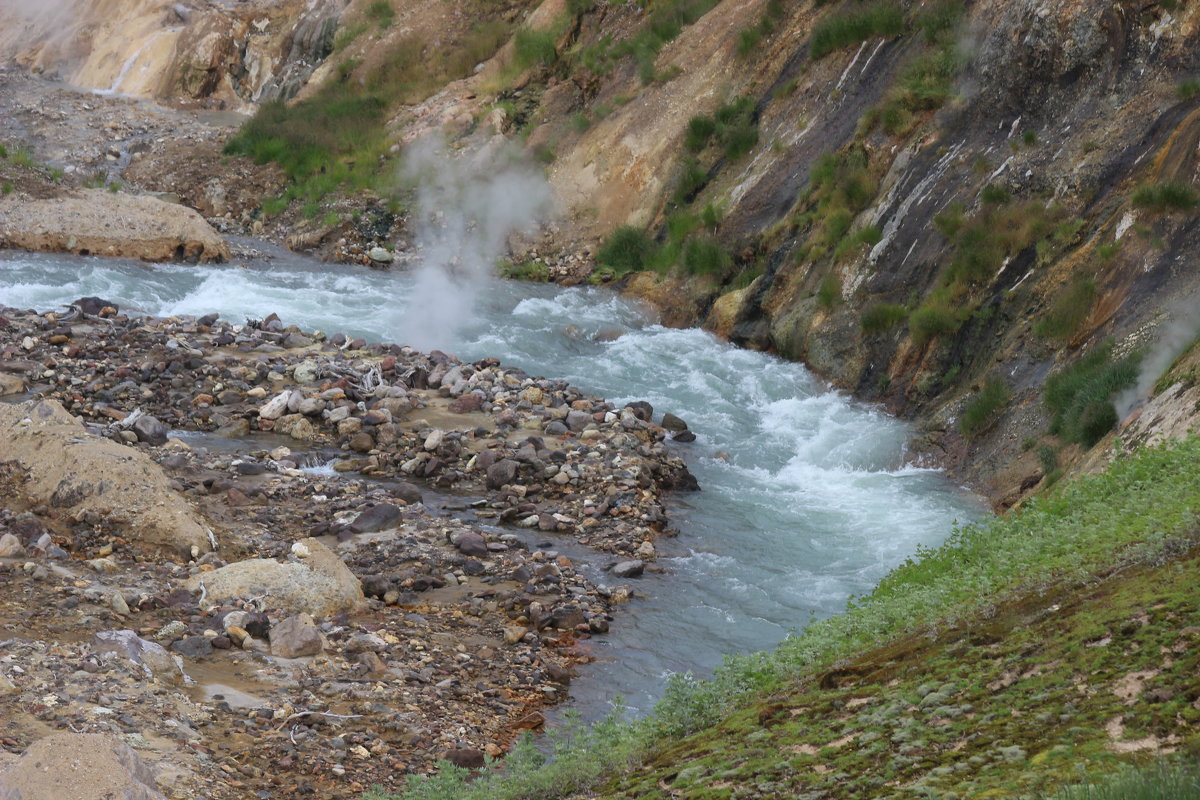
[[467, 206], [1175, 337]]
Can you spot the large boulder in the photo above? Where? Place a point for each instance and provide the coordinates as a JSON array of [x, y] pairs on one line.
[[319, 583], [78, 766], [65, 467], [102, 223]]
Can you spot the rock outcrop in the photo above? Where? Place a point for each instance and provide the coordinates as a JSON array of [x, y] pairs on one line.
[[53, 460], [98, 222], [78, 766]]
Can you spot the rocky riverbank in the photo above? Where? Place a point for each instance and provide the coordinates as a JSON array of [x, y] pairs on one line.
[[376, 586]]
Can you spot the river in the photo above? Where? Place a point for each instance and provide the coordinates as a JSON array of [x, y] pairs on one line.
[[806, 496]]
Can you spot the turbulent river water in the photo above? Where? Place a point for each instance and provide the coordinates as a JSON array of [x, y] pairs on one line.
[[806, 499]]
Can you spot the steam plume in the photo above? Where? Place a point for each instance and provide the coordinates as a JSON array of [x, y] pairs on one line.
[[1175, 337], [467, 206]]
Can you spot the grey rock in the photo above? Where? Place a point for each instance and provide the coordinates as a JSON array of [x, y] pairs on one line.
[[296, 636], [578, 420], [472, 544], [502, 472], [376, 518], [153, 658], [629, 569], [193, 646], [673, 423], [10, 546], [150, 430]]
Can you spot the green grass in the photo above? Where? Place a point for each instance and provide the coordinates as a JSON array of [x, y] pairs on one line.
[[1080, 395], [936, 317], [627, 249], [732, 126], [882, 317], [3, 152], [1163, 197], [853, 25], [381, 12], [1188, 89], [532, 48], [666, 20], [704, 255], [981, 411], [1166, 780], [829, 293], [1068, 313]]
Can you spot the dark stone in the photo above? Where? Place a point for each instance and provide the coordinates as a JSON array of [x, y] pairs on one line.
[[683, 436], [473, 567], [578, 420], [222, 643], [193, 647], [150, 430], [375, 585], [471, 543], [567, 617], [465, 757], [249, 468], [673, 423], [555, 428], [485, 459], [466, 403], [361, 442], [502, 472], [628, 569], [94, 305], [642, 410], [408, 492], [559, 674], [376, 518], [207, 321], [257, 625]]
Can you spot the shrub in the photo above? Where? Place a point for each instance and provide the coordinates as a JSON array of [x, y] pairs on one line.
[[936, 317], [983, 408], [950, 221], [1187, 89], [699, 130], [627, 248], [994, 194], [532, 47], [882, 316], [829, 293], [381, 11], [1064, 319], [3, 152], [703, 255], [1171, 196], [1079, 396], [883, 18], [692, 178]]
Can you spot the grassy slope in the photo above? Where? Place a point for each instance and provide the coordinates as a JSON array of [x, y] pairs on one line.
[[1024, 654]]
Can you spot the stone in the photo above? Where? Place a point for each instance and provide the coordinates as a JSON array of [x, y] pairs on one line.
[[471, 543], [683, 436], [380, 256], [466, 403], [378, 517], [311, 406], [408, 492], [79, 474], [642, 410], [10, 547], [78, 766], [465, 757], [501, 473], [11, 384], [276, 407], [152, 657], [555, 428], [673, 423], [295, 636], [578, 420], [193, 646], [629, 569], [361, 442], [150, 430], [514, 634], [320, 584]]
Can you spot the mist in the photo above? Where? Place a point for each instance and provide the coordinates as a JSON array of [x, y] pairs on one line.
[[1174, 338], [467, 205]]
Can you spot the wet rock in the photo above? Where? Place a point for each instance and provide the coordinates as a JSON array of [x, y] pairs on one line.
[[78, 766], [319, 584], [376, 586], [683, 436], [150, 430], [642, 410], [295, 636], [629, 569], [193, 646], [94, 306], [472, 544], [466, 403], [380, 256], [673, 423], [376, 518], [408, 492]]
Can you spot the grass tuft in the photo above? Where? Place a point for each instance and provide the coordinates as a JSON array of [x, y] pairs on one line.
[[849, 27], [984, 407], [1080, 395], [1162, 197]]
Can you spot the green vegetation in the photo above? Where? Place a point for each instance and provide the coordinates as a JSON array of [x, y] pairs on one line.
[[532, 270], [7, 188], [732, 126], [1188, 89], [994, 194], [535, 48], [840, 186], [981, 411], [381, 12], [853, 25], [1080, 395], [749, 38], [1162, 197], [937, 316], [1029, 137], [627, 249], [667, 20], [829, 293], [1166, 780], [883, 316], [704, 255], [1069, 311], [987, 666], [3, 152]]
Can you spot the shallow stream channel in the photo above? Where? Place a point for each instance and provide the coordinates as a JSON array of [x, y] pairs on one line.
[[806, 498]]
